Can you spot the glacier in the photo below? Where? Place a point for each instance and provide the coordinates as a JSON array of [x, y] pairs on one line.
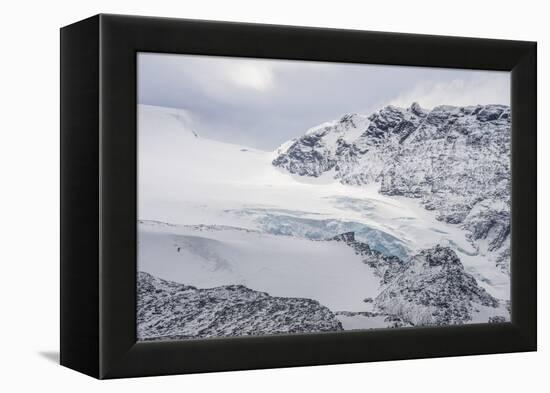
[[402, 180]]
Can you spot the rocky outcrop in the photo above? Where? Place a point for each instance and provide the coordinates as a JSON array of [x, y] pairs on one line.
[[169, 310], [318, 151], [310, 157], [384, 266], [432, 288]]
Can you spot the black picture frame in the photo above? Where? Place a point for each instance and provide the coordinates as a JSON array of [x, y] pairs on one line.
[[98, 195]]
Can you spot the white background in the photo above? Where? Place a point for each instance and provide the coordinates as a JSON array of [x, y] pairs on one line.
[[29, 154]]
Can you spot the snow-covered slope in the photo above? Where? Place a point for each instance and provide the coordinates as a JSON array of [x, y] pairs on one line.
[[285, 266], [187, 179]]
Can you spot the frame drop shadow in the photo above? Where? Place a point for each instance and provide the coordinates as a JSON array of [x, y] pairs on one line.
[[52, 356]]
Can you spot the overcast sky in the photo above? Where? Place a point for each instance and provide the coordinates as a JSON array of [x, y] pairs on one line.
[[263, 103]]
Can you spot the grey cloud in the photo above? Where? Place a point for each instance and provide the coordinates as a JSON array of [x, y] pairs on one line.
[[279, 100]]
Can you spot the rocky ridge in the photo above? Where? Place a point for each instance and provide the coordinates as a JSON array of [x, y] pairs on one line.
[[169, 310]]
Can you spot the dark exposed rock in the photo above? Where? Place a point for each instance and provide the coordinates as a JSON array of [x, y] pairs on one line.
[[432, 288], [348, 237], [490, 220], [417, 110], [497, 319], [306, 157], [168, 310], [492, 112]]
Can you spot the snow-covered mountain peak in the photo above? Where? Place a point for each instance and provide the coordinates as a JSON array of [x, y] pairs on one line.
[[450, 158], [347, 122], [416, 109], [391, 121]]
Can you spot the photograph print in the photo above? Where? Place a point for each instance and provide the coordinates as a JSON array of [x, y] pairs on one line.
[[293, 197]]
